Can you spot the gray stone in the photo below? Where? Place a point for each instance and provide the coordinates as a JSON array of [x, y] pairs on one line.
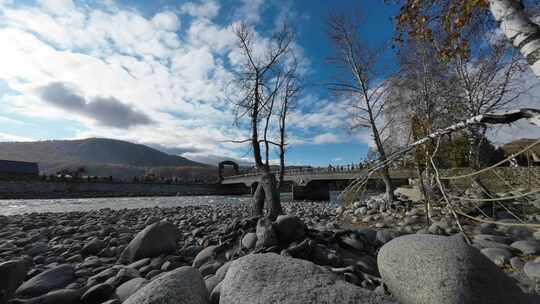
[[93, 247], [154, 240], [38, 248], [60, 296], [123, 275], [532, 269], [531, 247], [271, 278], [182, 285], [215, 294], [355, 240], [445, 270], [266, 235], [46, 281], [97, 294], [206, 255], [499, 256], [249, 240], [102, 276], [209, 268], [386, 235], [16, 271], [481, 244], [218, 277], [126, 289], [517, 263], [493, 238]]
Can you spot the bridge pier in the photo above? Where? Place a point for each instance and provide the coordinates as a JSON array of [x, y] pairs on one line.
[[313, 191]]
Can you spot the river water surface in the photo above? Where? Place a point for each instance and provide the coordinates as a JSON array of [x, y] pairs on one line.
[[19, 206]]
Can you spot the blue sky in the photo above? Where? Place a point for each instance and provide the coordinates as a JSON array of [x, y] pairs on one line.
[[156, 72]]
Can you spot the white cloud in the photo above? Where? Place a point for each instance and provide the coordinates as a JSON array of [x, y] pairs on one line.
[[250, 10], [173, 69], [206, 9], [327, 138], [167, 21], [11, 137]]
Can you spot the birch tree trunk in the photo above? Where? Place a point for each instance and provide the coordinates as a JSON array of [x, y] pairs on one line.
[[519, 29]]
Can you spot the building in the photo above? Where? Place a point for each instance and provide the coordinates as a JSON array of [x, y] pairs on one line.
[[17, 170]]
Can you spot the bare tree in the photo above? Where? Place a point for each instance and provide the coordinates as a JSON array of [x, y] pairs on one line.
[[418, 103], [360, 83], [488, 82], [260, 79], [291, 88]]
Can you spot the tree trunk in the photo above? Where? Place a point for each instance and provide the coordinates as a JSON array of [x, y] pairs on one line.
[[273, 203], [385, 174], [388, 185], [268, 192], [474, 147], [258, 200], [519, 29]]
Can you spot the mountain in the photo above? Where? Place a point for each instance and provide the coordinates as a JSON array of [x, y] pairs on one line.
[[100, 156]]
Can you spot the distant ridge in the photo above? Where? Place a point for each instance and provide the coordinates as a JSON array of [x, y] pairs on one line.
[[103, 156], [92, 150]]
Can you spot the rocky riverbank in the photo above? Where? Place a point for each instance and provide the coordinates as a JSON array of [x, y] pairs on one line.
[[219, 254]]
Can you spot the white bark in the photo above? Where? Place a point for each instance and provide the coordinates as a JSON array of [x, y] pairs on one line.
[[519, 29]]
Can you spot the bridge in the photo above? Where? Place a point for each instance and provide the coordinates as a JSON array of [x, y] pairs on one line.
[[316, 183]]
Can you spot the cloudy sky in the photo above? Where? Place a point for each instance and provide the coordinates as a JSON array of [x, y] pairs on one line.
[[157, 72]]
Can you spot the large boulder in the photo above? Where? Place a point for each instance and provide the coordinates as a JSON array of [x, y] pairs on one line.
[[271, 278], [128, 288], [16, 271], [289, 228], [445, 270], [46, 281], [154, 240], [182, 285]]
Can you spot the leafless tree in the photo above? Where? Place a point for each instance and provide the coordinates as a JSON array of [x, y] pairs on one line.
[[418, 101], [488, 81], [290, 90], [360, 83], [260, 79]]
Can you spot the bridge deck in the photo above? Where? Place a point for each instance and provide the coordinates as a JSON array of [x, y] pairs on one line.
[[304, 176]]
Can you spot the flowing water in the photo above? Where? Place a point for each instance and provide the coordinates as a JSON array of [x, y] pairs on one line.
[[19, 206]]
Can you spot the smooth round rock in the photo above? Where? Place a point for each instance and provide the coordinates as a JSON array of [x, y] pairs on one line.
[[60, 296], [499, 256], [272, 278], [16, 271], [289, 228], [249, 240], [93, 247], [531, 247], [422, 268], [206, 255], [182, 285], [128, 288], [46, 281], [154, 240], [97, 294], [532, 269]]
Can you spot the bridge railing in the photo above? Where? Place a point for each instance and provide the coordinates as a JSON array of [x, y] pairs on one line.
[[304, 171]]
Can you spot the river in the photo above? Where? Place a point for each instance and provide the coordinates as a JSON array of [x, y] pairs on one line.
[[20, 206]]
